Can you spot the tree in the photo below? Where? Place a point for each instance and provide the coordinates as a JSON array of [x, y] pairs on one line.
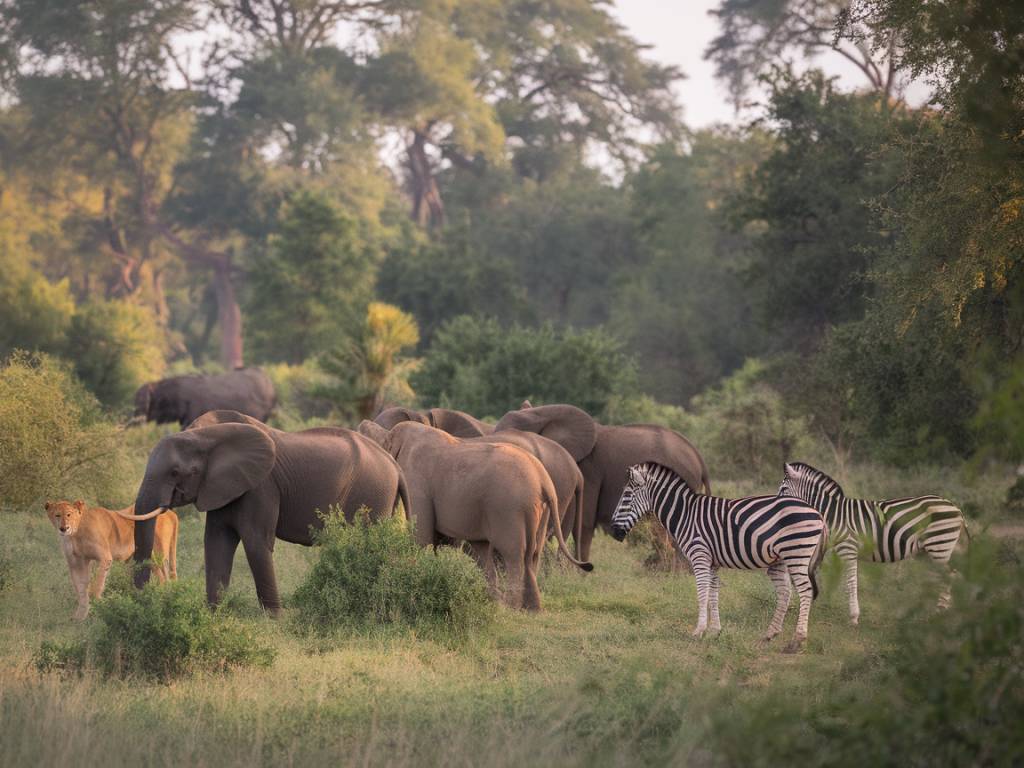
[[807, 209], [311, 284], [757, 35]]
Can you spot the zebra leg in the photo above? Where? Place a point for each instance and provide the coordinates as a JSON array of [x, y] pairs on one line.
[[939, 546], [805, 592], [714, 622], [701, 562], [849, 557], [779, 575]]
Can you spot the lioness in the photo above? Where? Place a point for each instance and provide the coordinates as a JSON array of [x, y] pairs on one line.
[[90, 534]]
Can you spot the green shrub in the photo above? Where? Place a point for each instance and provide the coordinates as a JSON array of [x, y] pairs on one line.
[[300, 396], [115, 347], [163, 631], [52, 440], [744, 427], [5, 573], [34, 313], [373, 574], [478, 365]]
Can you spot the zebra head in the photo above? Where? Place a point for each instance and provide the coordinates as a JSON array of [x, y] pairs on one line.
[[635, 501], [809, 484]]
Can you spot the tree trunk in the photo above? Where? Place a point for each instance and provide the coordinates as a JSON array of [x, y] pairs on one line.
[[229, 314], [427, 206]]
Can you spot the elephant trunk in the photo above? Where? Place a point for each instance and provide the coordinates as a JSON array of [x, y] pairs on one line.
[[148, 499]]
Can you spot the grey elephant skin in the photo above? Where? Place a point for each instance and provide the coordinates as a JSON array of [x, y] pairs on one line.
[[605, 454], [494, 496], [183, 399], [258, 484], [563, 471], [457, 423]]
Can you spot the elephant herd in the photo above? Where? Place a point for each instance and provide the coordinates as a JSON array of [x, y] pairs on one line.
[[501, 490]]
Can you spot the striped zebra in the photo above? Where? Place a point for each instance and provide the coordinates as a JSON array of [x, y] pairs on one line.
[[782, 535], [882, 531]]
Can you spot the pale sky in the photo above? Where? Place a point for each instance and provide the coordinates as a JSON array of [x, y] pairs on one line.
[[679, 31]]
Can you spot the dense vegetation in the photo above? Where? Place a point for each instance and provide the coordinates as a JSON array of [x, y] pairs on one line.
[[468, 203], [174, 200]]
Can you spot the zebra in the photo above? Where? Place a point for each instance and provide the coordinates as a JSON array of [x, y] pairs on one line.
[[783, 535], [882, 531]]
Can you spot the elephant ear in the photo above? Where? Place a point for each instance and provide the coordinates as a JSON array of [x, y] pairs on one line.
[[455, 423], [238, 458], [224, 416], [143, 399], [374, 431], [569, 426]]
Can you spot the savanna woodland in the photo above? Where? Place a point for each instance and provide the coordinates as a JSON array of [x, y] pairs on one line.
[[465, 204]]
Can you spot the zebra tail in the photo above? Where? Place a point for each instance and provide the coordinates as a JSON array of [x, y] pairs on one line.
[[816, 557]]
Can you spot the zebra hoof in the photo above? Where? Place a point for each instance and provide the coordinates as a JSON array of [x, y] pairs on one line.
[[796, 645]]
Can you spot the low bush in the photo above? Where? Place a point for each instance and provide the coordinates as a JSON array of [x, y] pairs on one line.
[[5, 573], [52, 437], [744, 427], [163, 631], [300, 398], [372, 574]]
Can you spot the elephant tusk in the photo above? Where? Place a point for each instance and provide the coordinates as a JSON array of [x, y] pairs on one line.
[[147, 516]]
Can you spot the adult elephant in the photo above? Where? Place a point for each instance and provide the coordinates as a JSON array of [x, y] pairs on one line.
[[605, 454], [564, 473], [258, 484], [183, 399], [494, 496], [457, 423]]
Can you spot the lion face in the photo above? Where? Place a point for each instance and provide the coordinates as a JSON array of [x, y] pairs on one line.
[[65, 516]]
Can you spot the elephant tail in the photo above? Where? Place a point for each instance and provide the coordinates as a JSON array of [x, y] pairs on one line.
[[705, 479], [551, 500], [403, 494]]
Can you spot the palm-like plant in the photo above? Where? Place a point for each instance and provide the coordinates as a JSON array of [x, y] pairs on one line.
[[370, 369]]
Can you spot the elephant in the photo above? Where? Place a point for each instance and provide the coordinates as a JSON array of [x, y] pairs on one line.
[[605, 454], [183, 399], [494, 496], [564, 472], [455, 423], [258, 484]]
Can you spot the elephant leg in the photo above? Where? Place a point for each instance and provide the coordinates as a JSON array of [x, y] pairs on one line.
[[591, 493], [481, 552], [220, 541], [424, 520], [260, 555]]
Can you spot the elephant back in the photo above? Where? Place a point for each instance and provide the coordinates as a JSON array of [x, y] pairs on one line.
[[620, 447]]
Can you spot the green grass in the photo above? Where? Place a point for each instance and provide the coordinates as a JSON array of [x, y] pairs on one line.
[[607, 674]]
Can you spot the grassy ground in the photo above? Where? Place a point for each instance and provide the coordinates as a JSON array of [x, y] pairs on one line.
[[607, 674]]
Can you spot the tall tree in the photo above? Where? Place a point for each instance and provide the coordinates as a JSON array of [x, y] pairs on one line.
[[95, 78], [757, 35]]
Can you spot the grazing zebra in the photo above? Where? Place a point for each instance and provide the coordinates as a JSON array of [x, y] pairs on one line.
[[783, 535], [883, 531]]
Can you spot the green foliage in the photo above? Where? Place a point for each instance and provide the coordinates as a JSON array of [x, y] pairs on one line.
[[164, 631], [115, 347], [311, 285], [954, 696], [373, 574], [300, 393], [50, 433], [34, 313], [812, 230], [744, 426], [486, 369]]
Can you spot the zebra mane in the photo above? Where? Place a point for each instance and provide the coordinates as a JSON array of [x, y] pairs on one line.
[[654, 469], [814, 475]]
